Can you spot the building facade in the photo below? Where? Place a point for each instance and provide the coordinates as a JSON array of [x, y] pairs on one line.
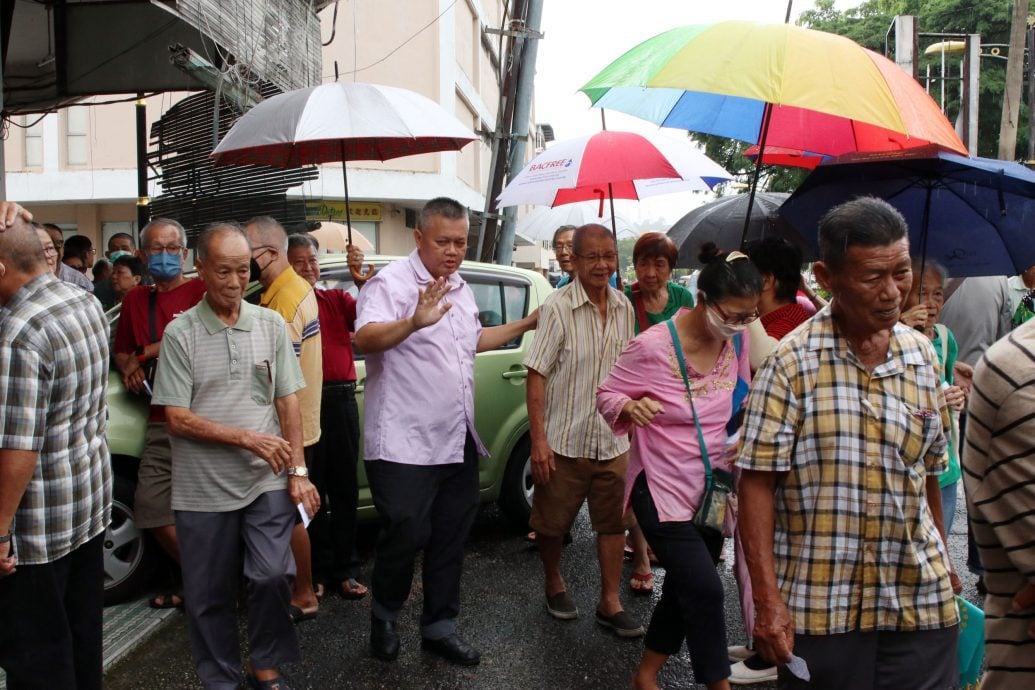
[[77, 167]]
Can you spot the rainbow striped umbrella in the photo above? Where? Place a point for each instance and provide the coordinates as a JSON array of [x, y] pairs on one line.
[[822, 93]]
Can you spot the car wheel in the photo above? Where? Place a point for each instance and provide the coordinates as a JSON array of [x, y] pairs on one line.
[[129, 554], [516, 492]]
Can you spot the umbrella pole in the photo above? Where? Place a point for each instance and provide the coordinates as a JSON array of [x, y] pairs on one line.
[[348, 207], [925, 220], [758, 172], [614, 230]]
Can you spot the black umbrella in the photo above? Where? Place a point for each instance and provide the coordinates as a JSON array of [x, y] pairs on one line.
[[722, 222], [974, 215]]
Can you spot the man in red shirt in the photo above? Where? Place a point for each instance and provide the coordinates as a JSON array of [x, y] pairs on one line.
[[146, 311], [335, 456]]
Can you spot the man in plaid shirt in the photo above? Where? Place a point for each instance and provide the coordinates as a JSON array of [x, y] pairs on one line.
[[55, 471], [841, 510]]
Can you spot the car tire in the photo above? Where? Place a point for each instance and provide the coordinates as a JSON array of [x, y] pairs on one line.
[[130, 556], [516, 491]]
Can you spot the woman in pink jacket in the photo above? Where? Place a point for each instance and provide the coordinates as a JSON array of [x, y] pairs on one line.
[[678, 450]]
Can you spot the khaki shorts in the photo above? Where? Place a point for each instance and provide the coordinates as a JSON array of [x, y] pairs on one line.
[[556, 503], [152, 503]]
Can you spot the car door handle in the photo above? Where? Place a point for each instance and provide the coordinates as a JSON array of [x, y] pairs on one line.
[[516, 374]]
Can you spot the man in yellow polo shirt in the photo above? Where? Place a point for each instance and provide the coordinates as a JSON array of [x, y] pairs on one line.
[[290, 295]]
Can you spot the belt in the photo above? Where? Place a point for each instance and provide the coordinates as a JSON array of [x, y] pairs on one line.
[[339, 385]]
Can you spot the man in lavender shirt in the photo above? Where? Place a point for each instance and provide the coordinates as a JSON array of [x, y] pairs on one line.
[[418, 325]]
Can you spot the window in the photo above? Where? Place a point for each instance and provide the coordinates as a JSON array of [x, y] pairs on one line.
[[368, 229], [77, 125], [33, 141], [499, 302]]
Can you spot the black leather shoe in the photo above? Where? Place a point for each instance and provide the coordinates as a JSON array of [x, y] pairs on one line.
[[453, 648], [384, 641]]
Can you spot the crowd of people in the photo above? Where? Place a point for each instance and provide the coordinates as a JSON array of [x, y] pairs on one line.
[[826, 439]]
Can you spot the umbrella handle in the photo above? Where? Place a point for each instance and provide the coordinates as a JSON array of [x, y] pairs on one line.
[[360, 278]]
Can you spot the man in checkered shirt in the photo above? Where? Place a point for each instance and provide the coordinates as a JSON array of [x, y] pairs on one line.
[[55, 470], [841, 511]]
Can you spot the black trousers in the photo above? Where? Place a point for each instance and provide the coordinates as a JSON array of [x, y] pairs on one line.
[[691, 605], [333, 472], [430, 508], [51, 617]]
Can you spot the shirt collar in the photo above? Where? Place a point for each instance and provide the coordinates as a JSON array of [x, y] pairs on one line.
[[423, 276], [30, 288], [213, 324], [286, 276], [824, 335], [579, 297]]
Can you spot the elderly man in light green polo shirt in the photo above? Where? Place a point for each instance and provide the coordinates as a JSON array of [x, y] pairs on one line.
[[228, 378]]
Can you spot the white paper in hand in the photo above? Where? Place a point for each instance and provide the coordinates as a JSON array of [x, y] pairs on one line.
[[799, 668], [305, 516]]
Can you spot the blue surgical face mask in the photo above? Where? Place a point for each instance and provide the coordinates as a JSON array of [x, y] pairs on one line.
[[164, 266]]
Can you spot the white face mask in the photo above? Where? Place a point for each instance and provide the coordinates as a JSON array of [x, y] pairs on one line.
[[721, 329]]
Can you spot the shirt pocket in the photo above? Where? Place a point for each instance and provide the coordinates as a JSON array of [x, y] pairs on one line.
[[917, 432], [262, 383]]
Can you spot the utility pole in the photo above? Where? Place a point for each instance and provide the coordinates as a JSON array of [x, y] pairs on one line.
[[522, 110], [501, 137], [1014, 81]]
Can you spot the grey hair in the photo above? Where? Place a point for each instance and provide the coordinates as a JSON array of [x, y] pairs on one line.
[[443, 207], [160, 222], [270, 232], [303, 239], [22, 248], [864, 222], [931, 265], [213, 231], [584, 232]]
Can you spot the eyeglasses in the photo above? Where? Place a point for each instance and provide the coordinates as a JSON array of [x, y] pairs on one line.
[[558, 246], [736, 319], [171, 249], [609, 257], [50, 250]]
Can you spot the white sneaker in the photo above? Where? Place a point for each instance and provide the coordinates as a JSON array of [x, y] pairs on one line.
[[740, 674], [739, 652]]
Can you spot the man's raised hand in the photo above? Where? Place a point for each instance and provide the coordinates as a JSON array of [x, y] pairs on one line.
[[430, 307]]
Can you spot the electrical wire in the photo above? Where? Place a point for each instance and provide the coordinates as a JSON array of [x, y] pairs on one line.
[[10, 120], [334, 25], [403, 44]]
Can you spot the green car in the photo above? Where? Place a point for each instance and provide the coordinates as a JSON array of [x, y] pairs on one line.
[[503, 294]]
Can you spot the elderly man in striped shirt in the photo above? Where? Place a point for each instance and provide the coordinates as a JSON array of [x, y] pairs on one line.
[[575, 456], [840, 503]]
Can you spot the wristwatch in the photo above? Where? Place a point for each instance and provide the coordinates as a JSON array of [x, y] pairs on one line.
[[298, 471]]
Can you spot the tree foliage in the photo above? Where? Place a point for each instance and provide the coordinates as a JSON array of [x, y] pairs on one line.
[[868, 24]]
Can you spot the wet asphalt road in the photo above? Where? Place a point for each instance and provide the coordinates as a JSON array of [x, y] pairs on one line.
[[502, 613]]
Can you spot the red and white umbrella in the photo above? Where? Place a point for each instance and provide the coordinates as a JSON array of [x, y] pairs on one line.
[[340, 122], [612, 165]]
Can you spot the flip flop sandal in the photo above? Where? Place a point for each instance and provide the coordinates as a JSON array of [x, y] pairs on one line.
[[298, 615], [642, 583], [166, 600], [348, 589]]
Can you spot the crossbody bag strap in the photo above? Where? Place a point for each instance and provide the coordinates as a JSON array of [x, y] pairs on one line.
[[152, 310], [697, 422], [640, 306]]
